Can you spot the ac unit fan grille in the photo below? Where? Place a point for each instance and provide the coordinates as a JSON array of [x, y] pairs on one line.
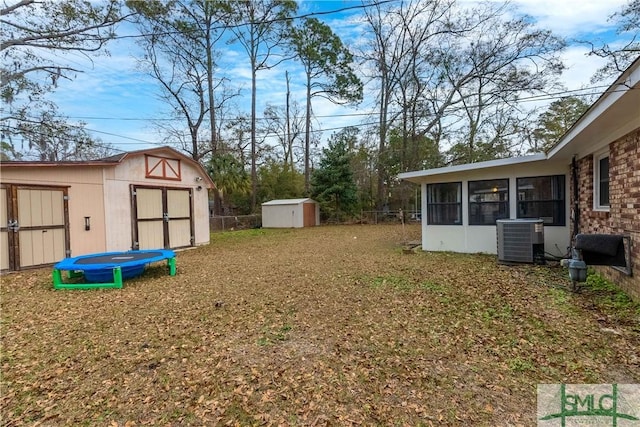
[[516, 243], [520, 241]]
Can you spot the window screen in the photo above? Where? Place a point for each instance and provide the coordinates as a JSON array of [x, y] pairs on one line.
[[488, 201], [444, 203], [542, 197]]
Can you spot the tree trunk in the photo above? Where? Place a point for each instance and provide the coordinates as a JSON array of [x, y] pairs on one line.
[[254, 172], [380, 198], [289, 152], [217, 200], [307, 140]]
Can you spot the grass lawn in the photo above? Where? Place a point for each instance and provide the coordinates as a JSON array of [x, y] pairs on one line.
[[331, 325]]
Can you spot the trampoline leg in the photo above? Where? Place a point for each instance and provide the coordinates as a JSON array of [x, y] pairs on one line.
[[171, 262], [72, 274], [117, 277], [57, 278]]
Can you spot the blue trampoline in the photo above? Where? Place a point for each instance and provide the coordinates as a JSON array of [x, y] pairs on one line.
[[107, 270]]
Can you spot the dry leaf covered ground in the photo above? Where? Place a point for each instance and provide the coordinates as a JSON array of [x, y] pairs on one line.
[[324, 326]]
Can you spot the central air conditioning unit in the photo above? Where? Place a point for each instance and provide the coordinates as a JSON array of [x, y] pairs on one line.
[[520, 240]]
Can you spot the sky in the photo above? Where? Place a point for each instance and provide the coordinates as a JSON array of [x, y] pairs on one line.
[[118, 102]]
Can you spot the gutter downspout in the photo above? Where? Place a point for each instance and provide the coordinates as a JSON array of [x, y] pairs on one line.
[[576, 199]]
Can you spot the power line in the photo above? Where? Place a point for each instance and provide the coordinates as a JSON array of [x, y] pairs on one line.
[[137, 140], [535, 98], [268, 21]]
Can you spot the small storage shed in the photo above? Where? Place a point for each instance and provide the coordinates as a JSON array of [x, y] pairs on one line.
[[290, 213], [148, 199]]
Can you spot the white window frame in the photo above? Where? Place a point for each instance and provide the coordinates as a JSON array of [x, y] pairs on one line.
[[596, 181]]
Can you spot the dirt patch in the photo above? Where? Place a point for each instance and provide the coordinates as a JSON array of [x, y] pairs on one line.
[[322, 326]]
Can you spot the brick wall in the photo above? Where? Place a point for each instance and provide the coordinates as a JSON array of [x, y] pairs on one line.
[[624, 198]]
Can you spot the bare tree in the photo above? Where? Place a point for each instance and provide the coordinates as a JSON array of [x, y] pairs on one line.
[[286, 127], [619, 57], [184, 88], [239, 138], [50, 137], [32, 29], [450, 75], [488, 69], [179, 41], [394, 57], [35, 37]]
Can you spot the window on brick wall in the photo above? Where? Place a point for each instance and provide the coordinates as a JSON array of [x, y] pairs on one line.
[[601, 181]]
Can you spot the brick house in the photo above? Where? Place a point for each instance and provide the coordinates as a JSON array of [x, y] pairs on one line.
[[588, 183], [623, 213]]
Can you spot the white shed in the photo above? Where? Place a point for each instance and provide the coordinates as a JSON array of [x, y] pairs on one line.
[[290, 213]]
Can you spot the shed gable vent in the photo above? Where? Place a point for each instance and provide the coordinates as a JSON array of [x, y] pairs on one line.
[[520, 240]]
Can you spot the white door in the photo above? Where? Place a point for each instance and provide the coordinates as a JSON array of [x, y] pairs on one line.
[[150, 218], [179, 218]]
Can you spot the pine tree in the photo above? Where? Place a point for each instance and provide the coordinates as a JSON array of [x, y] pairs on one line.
[[556, 121], [332, 183]]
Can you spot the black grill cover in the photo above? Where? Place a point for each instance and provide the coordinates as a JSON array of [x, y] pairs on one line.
[[601, 249]]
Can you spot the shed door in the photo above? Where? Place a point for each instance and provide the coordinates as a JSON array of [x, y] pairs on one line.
[[162, 218], [4, 231], [179, 217], [34, 226], [42, 230], [41, 218], [150, 218], [309, 214]]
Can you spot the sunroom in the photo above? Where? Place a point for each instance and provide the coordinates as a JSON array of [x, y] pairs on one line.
[[463, 203]]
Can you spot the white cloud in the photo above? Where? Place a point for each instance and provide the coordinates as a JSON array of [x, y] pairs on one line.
[[579, 67], [571, 17]]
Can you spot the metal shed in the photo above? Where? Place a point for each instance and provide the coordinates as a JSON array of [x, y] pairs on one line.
[[290, 213]]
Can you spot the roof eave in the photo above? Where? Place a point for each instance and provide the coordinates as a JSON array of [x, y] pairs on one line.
[[29, 163], [418, 176], [629, 80]]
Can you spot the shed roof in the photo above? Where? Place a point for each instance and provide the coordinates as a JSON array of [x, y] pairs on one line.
[[113, 161], [288, 202]]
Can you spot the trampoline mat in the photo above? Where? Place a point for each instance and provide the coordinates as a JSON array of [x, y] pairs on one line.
[[116, 259]]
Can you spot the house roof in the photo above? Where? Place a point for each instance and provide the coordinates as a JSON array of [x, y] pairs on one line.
[[614, 114], [116, 160], [287, 202], [418, 175]]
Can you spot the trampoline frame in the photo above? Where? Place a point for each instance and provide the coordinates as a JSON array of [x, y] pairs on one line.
[[75, 272]]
